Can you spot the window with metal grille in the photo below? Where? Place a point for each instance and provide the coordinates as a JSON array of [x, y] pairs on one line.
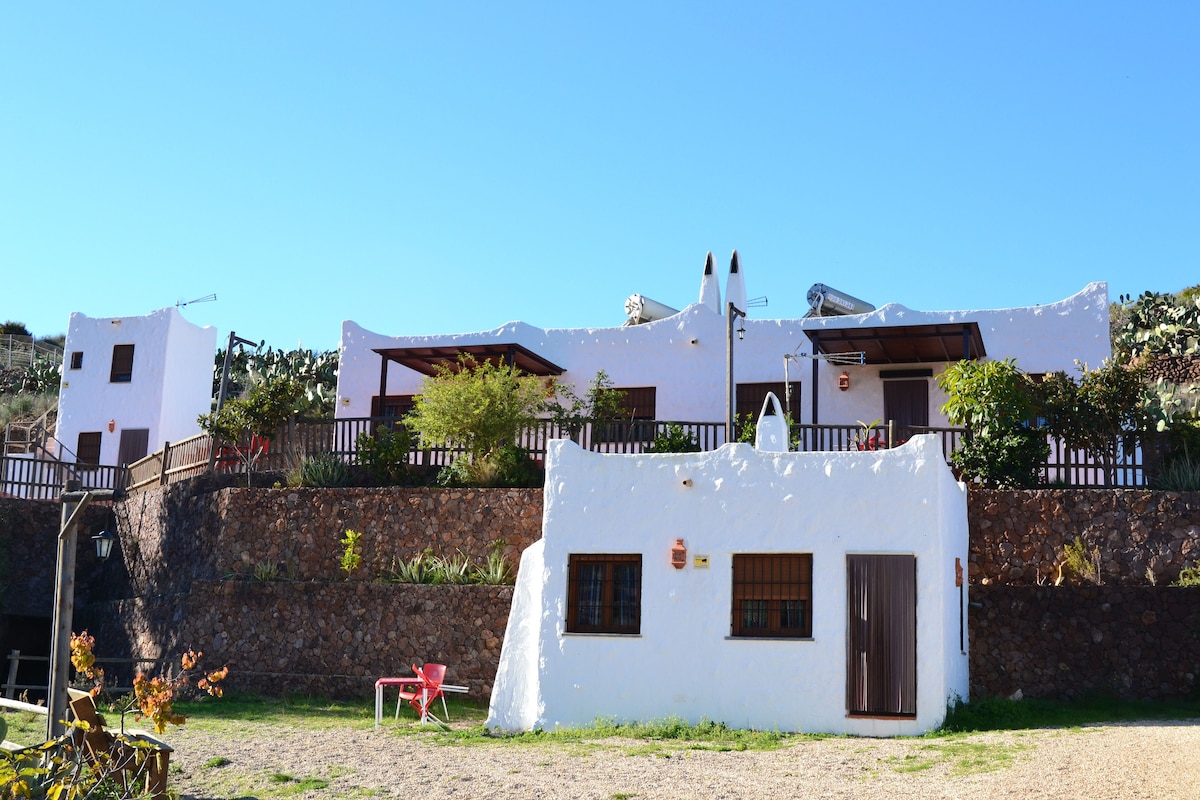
[[772, 595], [604, 593], [122, 364], [87, 449]]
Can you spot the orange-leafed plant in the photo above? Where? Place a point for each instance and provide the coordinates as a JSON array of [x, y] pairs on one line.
[[152, 696]]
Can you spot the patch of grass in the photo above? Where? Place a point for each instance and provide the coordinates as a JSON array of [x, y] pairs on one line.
[[966, 758], [213, 763], [1002, 714], [24, 727], [665, 734]]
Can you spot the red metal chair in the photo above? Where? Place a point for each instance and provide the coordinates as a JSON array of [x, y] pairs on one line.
[[424, 690]]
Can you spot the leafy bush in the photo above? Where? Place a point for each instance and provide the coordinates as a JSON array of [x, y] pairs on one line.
[[351, 554], [1082, 562], [508, 466], [994, 400], [674, 439], [427, 568], [1188, 576], [384, 455], [321, 471], [479, 407]]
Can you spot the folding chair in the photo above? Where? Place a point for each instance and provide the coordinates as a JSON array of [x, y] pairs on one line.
[[424, 689]]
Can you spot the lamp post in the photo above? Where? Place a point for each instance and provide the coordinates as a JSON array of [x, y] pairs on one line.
[[74, 503], [732, 313]]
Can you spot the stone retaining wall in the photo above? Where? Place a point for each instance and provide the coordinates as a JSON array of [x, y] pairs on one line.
[[1137, 642], [318, 632], [1018, 537], [331, 639]]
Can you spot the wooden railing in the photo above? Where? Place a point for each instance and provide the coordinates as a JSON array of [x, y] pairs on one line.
[[44, 478], [118, 672], [175, 462], [301, 439]]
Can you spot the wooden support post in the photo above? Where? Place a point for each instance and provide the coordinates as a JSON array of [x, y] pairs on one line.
[[14, 661], [162, 471]]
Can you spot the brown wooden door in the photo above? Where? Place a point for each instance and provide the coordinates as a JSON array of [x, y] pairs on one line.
[[135, 443], [881, 635], [906, 402]]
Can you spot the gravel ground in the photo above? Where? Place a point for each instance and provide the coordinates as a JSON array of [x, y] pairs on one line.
[[1137, 760]]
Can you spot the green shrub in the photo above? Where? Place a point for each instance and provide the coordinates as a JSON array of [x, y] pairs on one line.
[[321, 471], [674, 439], [351, 554], [427, 568], [1188, 576], [1083, 563], [495, 571], [384, 455], [508, 466], [1180, 474]]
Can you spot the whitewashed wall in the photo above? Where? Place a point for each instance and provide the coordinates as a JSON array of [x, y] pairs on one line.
[[684, 355], [171, 383], [684, 662]]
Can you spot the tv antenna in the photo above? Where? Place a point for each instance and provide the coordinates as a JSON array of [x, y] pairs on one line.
[[841, 359], [208, 298]]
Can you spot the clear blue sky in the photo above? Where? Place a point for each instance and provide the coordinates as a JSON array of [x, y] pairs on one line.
[[447, 167]]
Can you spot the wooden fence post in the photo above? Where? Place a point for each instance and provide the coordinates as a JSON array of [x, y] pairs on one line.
[[14, 660], [162, 473]]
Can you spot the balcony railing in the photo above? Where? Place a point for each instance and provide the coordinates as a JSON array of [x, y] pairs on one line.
[[299, 439]]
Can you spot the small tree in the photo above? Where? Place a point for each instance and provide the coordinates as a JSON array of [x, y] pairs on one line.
[[996, 402], [600, 402], [480, 407], [1108, 410], [260, 413]]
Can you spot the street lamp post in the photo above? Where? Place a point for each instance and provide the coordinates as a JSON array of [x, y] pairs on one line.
[[732, 313], [74, 503]]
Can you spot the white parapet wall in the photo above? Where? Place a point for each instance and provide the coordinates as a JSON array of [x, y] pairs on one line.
[[684, 356], [684, 662]]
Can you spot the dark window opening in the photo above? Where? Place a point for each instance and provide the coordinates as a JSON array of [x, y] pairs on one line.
[[77, 359], [772, 595], [750, 398], [122, 364], [393, 405], [87, 449], [635, 424], [604, 593]]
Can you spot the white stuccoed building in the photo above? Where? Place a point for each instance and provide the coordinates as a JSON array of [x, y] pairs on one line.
[[130, 384], [674, 367], [816, 592]]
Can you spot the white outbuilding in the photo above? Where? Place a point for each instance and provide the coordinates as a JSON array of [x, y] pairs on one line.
[[816, 592]]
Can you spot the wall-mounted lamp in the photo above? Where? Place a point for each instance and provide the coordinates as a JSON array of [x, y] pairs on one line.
[[844, 381], [112, 425], [678, 555]]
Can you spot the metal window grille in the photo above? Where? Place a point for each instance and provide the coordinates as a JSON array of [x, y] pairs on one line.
[[772, 595], [604, 593]]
